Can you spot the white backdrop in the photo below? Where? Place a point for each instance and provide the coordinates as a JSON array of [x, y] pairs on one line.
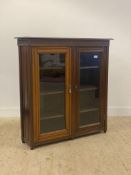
[[67, 18]]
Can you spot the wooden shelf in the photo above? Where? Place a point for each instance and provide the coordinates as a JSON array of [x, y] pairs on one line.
[[52, 93], [52, 68], [89, 67], [52, 117], [89, 125], [89, 110], [90, 88]]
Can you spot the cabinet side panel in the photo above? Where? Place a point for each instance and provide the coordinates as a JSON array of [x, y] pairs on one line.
[[21, 96], [106, 86], [29, 80], [25, 94]]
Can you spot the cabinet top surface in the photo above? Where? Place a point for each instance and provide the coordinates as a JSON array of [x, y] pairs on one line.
[[60, 38], [49, 41]]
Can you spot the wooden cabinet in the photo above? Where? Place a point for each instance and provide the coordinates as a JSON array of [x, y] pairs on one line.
[[63, 88]]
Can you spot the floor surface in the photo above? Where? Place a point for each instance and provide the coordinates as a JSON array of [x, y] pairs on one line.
[[100, 154]]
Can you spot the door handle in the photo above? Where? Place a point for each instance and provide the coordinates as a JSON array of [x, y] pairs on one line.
[[69, 90]]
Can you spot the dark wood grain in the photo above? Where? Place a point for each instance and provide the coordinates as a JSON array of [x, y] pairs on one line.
[[65, 42], [29, 47]]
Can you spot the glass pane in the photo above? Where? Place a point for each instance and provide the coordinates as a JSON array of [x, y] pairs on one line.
[[52, 92], [89, 59], [89, 117], [89, 87]]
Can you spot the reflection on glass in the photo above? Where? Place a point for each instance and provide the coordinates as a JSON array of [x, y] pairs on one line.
[[89, 87], [52, 88], [89, 59]]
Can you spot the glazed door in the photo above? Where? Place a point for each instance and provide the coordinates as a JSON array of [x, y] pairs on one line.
[[90, 96], [52, 89]]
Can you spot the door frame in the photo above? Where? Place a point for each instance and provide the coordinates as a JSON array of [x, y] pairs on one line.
[[53, 135], [91, 128]]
